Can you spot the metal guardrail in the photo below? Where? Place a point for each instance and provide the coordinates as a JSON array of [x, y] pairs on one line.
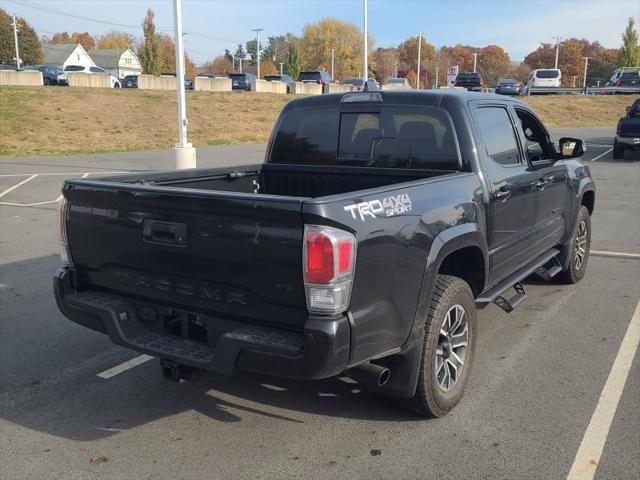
[[580, 90]]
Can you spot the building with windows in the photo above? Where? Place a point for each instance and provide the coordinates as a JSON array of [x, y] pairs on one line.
[[120, 62]]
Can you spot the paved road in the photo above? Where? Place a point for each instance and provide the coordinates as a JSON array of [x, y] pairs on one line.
[[537, 377]]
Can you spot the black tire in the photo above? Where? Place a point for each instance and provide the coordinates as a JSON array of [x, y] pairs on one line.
[[430, 400], [576, 270], [618, 151]]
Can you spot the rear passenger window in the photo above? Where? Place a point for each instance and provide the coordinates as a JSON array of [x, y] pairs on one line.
[[358, 131], [498, 134]]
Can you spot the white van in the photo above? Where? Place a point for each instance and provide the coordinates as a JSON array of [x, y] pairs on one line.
[[545, 77]]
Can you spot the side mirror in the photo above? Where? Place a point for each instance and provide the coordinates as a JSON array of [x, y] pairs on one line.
[[572, 147]]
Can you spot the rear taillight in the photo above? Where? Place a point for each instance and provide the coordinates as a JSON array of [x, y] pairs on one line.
[[65, 254], [328, 263]]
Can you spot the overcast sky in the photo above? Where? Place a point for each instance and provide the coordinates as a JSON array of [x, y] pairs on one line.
[[213, 25]]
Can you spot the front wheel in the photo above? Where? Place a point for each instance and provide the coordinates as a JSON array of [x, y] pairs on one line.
[[580, 247], [448, 349]]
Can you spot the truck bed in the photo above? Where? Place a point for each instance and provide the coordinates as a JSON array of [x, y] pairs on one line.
[[281, 180]]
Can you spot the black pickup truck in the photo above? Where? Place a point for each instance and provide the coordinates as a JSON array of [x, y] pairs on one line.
[[628, 131], [362, 246]]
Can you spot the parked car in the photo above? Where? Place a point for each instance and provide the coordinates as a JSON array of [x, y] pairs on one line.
[[188, 83], [209, 75], [4, 66], [361, 246], [628, 131], [241, 81], [617, 74], [282, 78], [51, 74], [628, 79], [396, 84], [358, 83], [509, 86], [130, 81], [472, 81], [115, 83], [544, 78], [315, 76]]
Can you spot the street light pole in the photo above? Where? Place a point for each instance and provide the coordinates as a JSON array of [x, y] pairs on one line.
[[258, 30], [475, 61], [15, 26], [185, 153], [419, 55], [557, 51], [586, 63], [281, 64], [365, 74], [333, 60]]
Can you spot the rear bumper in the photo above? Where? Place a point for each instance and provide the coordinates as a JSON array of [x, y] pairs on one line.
[[629, 142], [321, 350]]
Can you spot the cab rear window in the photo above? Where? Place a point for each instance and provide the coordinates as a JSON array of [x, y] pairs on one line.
[[394, 137]]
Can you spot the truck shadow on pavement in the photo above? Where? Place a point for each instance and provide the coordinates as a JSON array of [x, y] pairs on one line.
[[59, 392]]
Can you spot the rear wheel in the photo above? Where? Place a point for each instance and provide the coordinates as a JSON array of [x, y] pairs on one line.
[[580, 249], [618, 151], [447, 352]]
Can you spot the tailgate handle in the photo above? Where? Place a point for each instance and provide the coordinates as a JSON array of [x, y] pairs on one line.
[[171, 233]]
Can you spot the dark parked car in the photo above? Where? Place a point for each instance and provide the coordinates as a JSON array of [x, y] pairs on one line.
[[360, 247], [628, 131], [472, 81], [509, 86], [241, 81], [628, 79], [282, 78], [130, 81], [317, 76], [51, 74], [372, 84]]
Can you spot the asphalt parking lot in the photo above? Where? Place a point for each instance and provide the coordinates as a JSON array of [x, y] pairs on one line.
[[72, 405]]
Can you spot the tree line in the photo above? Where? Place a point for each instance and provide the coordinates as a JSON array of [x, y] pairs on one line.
[[337, 46]]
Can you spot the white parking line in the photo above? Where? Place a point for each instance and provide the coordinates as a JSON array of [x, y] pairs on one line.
[[597, 145], [602, 253], [590, 450], [601, 155], [19, 184], [123, 367], [35, 204]]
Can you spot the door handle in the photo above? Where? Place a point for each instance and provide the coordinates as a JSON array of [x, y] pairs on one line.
[[502, 194]]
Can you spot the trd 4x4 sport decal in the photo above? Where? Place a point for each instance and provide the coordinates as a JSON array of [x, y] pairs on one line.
[[387, 207]]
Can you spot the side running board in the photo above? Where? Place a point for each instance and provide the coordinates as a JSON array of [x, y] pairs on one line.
[[546, 266]]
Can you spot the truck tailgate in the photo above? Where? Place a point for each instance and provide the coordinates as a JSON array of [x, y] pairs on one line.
[[236, 256]]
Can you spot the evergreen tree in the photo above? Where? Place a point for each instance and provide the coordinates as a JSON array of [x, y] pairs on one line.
[[28, 42], [630, 51], [149, 50]]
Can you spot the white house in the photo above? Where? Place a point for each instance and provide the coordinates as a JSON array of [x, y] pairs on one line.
[[63, 54], [120, 62]]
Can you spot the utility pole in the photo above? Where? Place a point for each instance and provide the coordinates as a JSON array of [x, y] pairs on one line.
[[281, 64], [436, 84], [395, 69], [185, 153], [475, 61], [258, 30], [15, 26], [365, 74], [419, 54], [557, 51], [333, 62], [586, 63]]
